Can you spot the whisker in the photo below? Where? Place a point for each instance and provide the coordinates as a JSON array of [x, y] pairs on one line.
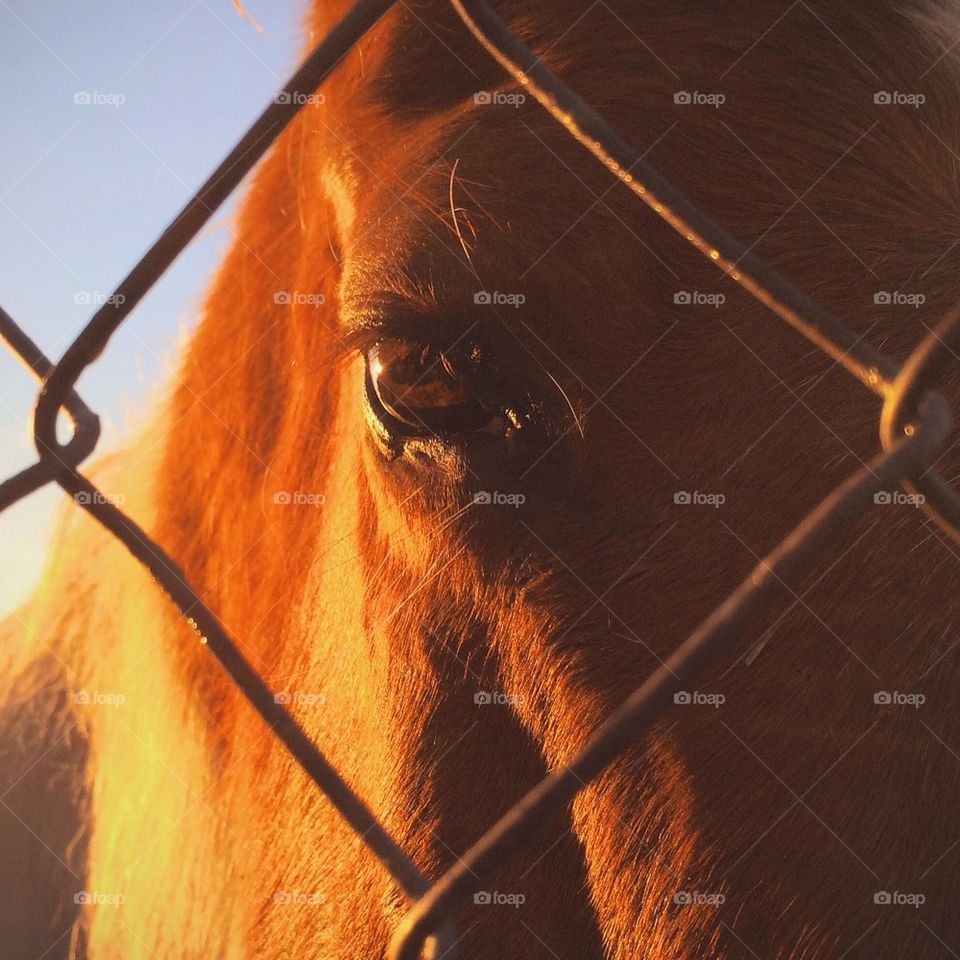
[[563, 393], [453, 213]]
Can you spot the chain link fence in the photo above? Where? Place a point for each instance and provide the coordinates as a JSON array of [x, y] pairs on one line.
[[914, 423]]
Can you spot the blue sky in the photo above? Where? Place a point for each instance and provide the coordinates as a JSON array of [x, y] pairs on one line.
[[85, 187]]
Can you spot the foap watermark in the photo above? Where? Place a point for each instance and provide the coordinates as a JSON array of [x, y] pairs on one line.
[[94, 898], [498, 498], [898, 498], [298, 97], [88, 298], [899, 99], [697, 699], [696, 298], [698, 98], [898, 298], [497, 899], [97, 698], [685, 498], [299, 298], [894, 898], [694, 898], [299, 698], [87, 498], [297, 898], [497, 299], [499, 99], [98, 98], [896, 698], [487, 697], [298, 498]]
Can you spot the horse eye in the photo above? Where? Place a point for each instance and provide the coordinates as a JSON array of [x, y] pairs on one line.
[[415, 390]]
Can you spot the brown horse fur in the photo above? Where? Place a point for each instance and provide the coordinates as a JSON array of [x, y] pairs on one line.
[[398, 198]]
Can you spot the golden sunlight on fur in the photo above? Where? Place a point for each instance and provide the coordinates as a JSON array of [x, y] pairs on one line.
[[346, 551]]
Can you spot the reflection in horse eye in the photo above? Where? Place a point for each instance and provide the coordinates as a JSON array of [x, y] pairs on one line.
[[419, 388]]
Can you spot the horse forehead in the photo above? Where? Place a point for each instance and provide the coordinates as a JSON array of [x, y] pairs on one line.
[[480, 243], [420, 95], [489, 193], [450, 194]]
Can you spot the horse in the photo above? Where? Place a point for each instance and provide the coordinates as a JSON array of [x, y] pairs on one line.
[[465, 442]]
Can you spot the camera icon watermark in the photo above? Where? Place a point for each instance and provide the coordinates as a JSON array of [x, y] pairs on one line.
[[496, 898], [894, 898], [689, 898], [88, 298], [498, 299], [299, 698], [299, 98], [487, 697], [696, 698], [894, 698], [94, 898], [697, 98], [97, 98], [898, 298], [96, 698], [498, 498], [86, 498], [695, 298], [898, 498], [290, 297], [298, 498], [296, 898], [685, 498], [896, 98], [498, 98]]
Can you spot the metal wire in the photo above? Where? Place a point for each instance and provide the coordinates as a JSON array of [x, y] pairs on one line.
[[58, 462], [727, 624], [914, 423], [735, 259], [219, 185], [86, 424]]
